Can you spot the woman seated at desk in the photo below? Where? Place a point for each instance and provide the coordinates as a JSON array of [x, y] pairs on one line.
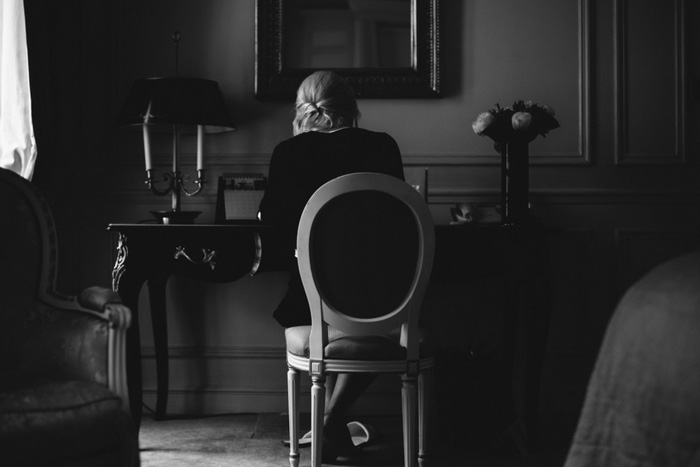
[[327, 144]]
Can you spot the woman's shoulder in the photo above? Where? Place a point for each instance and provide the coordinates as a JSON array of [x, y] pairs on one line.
[[376, 138], [364, 132], [301, 139], [362, 136], [350, 132], [311, 139]]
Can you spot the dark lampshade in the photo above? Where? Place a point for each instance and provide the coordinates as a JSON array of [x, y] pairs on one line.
[[182, 101]]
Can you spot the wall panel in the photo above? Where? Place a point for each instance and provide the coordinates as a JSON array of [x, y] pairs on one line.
[[651, 82], [597, 178]]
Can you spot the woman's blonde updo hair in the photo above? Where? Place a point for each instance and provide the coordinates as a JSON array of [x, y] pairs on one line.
[[325, 102]]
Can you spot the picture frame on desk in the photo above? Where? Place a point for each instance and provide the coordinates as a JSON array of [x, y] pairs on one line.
[[238, 197]]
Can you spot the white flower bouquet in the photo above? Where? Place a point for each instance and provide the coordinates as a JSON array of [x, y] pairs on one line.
[[522, 122]]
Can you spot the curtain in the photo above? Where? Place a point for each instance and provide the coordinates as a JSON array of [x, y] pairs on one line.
[[17, 143]]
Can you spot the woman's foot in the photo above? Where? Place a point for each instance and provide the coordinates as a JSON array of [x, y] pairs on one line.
[[337, 442]]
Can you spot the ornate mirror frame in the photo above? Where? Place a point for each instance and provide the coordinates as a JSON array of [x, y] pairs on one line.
[[274, 80]]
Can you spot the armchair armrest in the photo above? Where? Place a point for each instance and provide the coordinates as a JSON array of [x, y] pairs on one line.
[[109, 302], [81, 337], [96, 298]]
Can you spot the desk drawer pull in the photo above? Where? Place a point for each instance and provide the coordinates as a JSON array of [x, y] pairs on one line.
[[208, 256]]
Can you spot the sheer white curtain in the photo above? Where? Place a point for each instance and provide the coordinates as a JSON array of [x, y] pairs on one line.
[[17, 143]]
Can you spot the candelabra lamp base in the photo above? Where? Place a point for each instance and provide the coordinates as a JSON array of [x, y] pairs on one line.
[[176, 217]]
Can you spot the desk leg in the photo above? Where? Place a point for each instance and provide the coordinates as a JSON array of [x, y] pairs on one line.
[[156, 290]]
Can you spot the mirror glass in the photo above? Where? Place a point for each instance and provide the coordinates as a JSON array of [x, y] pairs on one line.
[[347, 34]]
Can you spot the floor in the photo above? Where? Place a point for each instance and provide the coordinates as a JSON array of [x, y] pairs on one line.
[[255, 440]]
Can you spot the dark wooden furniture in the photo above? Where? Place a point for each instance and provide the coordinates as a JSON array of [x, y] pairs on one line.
[[505, 375], [151, 253], [514, 255]]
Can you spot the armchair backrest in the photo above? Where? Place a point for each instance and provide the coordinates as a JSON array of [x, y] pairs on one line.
[[28, 259], [365, 248], [28, 249]]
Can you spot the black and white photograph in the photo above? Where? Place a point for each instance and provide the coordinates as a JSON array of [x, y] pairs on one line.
[[312, 233]]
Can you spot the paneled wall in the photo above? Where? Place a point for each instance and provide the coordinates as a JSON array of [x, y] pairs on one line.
[[619, 178]]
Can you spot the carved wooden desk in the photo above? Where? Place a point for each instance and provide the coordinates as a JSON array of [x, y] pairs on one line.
[[152, 252]]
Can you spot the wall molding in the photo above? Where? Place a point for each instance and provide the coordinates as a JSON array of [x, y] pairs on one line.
[[583, 154], [585, 27], [226, 396], [573, 196], [439, 195], [222, 400], [622, 154], [216, 163]]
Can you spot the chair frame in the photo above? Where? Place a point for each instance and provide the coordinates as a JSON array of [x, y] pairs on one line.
[[413, 369]]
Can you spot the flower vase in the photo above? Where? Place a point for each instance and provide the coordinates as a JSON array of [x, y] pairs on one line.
[[515, 182]]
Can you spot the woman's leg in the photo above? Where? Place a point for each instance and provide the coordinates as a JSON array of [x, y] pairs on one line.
[[342, 390]]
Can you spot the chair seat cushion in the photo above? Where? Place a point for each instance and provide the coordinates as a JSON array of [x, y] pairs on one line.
[[59, 420], [343, 346]]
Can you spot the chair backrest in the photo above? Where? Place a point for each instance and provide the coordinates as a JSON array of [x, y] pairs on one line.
[[365, 248]]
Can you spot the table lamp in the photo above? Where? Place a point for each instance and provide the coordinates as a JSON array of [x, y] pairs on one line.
[[178, 105]]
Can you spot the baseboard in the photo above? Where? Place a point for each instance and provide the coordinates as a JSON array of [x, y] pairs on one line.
[[209, 401]]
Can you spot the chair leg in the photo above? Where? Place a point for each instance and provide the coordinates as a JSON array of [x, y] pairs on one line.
[[425, 381], [293, 404], [409, 409], [318, 402]]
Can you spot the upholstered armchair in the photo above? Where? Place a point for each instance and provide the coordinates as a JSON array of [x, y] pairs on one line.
[[63, 397]]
